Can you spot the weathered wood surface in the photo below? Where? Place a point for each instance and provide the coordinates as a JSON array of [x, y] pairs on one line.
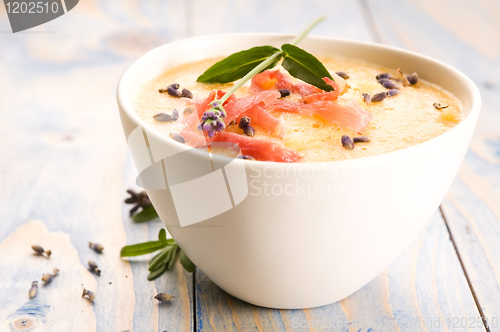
[[64, 162]]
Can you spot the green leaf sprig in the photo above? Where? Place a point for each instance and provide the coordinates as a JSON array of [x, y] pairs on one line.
[[162, 261], [246, 64]]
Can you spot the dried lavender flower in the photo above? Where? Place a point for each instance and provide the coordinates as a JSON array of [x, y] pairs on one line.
[[46, 277], [98, 247], [361, 139], [245, 156], [379, 97], [164, 117], [93, 267], [162, 297], [244, 122], [392, 92], [384, 75], [212, 120], [342, 74], [141, 200], [366, 97], [412, 78], [39, 250], [33, 290], [347, 142], [389, 84], [177, 137], [284, 92], [88, 294], [187, 94], [249, 131], [187, 111]]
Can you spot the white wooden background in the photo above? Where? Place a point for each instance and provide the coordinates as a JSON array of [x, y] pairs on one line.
[[64, 169]]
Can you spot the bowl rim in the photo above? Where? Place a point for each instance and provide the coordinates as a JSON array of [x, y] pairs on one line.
[[469, 120]]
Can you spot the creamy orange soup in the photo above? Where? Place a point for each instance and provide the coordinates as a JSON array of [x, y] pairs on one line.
[[401, 121]]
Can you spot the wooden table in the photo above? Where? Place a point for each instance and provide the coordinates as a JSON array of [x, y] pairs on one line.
[[64, 169]]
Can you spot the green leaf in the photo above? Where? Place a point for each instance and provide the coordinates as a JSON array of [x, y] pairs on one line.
[[158, 272], [147, 213], [158, 259], [162, 236], [186, 262], [173, 257], [141, 248], [238, 65], [305, 66]]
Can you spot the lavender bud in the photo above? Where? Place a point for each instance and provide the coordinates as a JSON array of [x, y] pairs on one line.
[[392, 92], [187, 111], [93, 267], [33, 290], [244, 122], [187, 94], [162, 297], [177, 137], [249, 131], [389, 84], [347, 142], [361, 139], [175, 114], [96, 247], [367, 98], [342, 74], [245, 156], [412, 78], [46, 278], [379, 97], [88, 294], [163, 117], [39, 250], [284, 92], [174, 92], [384, 75]]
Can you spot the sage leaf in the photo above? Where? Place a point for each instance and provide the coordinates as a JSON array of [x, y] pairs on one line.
[[158, 272], [238, 65], [141, 248], [147, 213], [305, 66], [186, 262]]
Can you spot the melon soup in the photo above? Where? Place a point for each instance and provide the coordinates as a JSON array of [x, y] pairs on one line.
[[315, 227]]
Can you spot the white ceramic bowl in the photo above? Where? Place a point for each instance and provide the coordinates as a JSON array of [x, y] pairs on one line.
[[323, 230]]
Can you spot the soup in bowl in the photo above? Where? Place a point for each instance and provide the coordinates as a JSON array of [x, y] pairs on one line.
[[319, 218]]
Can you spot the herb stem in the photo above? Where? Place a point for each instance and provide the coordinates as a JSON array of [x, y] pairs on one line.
[[307, 30], [268, 61]]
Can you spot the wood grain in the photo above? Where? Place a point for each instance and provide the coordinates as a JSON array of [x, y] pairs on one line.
[[64, 160], [471, 207]]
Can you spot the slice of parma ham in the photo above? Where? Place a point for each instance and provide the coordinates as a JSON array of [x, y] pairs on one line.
[[259, 149]]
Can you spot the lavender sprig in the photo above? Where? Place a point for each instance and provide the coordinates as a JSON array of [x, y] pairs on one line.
[[212, 120]]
